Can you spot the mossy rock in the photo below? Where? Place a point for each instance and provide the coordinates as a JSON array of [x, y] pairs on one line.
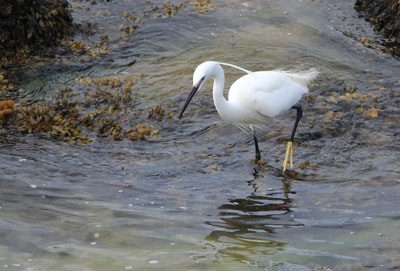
[[31, 26]]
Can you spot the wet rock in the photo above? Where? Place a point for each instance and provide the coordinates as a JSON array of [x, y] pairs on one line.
[[31, 26], [384, 15]]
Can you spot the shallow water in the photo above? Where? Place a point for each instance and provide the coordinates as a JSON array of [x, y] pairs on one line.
[[192, 199]]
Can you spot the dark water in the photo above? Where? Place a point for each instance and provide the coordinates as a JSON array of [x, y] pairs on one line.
[[192, 199]]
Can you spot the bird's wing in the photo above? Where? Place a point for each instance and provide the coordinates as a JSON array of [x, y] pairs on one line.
[[274, 103], [267, 93]]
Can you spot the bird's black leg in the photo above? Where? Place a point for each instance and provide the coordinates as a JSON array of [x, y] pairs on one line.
[[258, 154], [298, 117]]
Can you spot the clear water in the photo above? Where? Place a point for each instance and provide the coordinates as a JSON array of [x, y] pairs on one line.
[[193, 199]]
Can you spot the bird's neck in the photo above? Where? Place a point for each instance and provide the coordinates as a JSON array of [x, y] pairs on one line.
[[222, 105]]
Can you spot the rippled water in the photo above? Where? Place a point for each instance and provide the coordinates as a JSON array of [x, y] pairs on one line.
[[193, 199]]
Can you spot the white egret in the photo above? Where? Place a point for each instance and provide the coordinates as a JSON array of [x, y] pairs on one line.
[[255, 97]]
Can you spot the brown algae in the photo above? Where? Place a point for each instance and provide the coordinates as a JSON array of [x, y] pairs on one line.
[[95, 108], [6, 109]]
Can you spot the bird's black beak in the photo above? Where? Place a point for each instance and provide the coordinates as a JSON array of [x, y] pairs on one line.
[[191, 94]]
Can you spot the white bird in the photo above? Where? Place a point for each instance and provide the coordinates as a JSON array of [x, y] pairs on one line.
[[255, 97]]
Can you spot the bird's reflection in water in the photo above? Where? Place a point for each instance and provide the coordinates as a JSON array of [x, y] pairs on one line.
[[247, 229]]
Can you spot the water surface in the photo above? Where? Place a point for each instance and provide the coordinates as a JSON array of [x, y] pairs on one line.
[[192, 198]]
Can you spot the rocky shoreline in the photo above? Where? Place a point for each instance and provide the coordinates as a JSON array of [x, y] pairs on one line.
[[30, 27], [384, 15]]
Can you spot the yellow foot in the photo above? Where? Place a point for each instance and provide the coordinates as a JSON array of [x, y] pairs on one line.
[[288, 157]]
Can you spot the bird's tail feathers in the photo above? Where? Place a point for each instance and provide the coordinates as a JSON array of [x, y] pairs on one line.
[[303, 78], [311, 74]]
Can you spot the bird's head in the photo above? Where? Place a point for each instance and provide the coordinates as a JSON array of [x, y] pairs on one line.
[[203, 72]]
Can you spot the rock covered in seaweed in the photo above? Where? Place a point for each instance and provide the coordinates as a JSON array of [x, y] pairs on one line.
[[31, 26], [384, 15]]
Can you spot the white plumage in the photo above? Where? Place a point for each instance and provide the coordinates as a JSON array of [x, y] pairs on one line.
[[254, 97]]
